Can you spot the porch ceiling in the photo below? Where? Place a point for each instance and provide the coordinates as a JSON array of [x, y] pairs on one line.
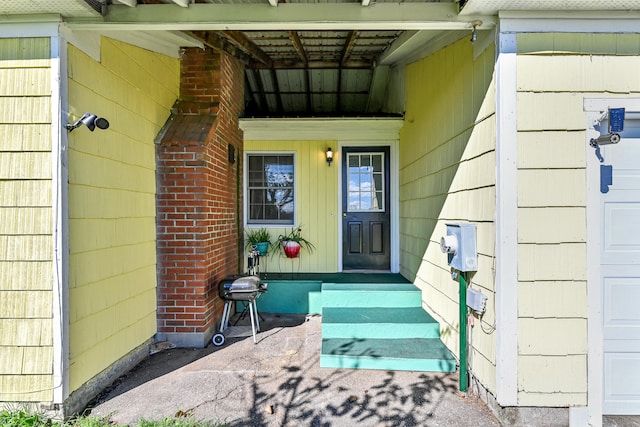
[[303, 58]]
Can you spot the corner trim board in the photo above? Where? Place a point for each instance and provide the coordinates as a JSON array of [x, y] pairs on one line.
[[506, 224]]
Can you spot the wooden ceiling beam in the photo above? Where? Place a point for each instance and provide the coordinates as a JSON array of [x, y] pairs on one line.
[[297, 44], [214, 41], [249, 47], [348, 46]]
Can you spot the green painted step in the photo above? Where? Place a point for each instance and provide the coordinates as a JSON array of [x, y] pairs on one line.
[[371, 295], [402, 354], [385, 322]]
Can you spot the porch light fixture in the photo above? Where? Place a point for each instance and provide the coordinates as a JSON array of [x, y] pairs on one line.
[[329, 154], [90, 121], [474, 34]]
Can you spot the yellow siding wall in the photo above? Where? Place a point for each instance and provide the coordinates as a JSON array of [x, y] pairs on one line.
[[555, 72], [447, 174], [26, 242], [316, 204], [112, 295]]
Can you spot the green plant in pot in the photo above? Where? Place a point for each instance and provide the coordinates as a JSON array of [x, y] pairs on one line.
[[292, 242], [258, 238]]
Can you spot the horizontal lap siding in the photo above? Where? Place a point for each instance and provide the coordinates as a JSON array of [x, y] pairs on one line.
[[447, 174], [112, 269], [26, 245], [316, 205], [555, 73]]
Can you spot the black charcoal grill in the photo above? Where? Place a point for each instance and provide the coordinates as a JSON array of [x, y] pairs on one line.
[[244, 288], [241, 288]]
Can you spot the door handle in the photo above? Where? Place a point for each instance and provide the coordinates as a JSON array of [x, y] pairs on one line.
[[344, 214]]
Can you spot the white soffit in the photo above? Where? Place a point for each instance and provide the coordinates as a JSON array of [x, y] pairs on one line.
[[165, 42], [321, 129], [77, 8], [492, 7]]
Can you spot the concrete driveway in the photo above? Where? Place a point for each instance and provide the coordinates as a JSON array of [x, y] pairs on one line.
[[278, 382]]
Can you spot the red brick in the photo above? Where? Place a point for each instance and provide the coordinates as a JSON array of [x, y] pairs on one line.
[[197, 218]]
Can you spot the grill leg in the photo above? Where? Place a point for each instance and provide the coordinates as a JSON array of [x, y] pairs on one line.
[[253, 320], [255, 308], [226, 311]]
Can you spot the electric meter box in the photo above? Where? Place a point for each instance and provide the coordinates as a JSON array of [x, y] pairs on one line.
[[460, 246]]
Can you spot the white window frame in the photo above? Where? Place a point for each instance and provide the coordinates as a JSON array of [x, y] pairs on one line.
[[246, 221], [384, 186]]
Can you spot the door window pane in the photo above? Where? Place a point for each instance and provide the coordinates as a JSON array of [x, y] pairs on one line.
[[365, 173], [270, 188]]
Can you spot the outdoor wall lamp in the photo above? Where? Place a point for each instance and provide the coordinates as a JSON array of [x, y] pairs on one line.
[[329, 154], [90, 121], [474, 34]]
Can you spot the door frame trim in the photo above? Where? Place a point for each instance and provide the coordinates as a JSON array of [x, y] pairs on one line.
[[593, 108], [595, 369], [394, 197]]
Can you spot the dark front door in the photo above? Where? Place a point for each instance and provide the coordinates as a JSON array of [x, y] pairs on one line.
[[365, 207]]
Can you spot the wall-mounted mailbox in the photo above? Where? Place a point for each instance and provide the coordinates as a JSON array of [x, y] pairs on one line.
[[460, 246]]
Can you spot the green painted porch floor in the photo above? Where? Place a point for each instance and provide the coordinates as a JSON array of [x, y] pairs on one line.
[[344, 277]]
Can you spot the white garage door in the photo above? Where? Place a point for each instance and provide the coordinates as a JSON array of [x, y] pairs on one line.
[[620, 268]]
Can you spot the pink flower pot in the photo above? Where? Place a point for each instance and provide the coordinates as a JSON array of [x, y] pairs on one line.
[[291, 249]]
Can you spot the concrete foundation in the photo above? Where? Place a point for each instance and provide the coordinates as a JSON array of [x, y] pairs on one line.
[[78, 400]]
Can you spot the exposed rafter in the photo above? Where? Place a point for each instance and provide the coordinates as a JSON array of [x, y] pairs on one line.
[[215, 41], [297, 44], [249, 47], [348, 47], [287, 16]]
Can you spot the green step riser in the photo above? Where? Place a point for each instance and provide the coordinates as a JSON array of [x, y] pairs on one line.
[[381, 363], [380, 330], [408, 322], [371, 299]]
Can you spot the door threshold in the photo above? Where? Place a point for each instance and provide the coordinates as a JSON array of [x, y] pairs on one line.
[[367, 271]]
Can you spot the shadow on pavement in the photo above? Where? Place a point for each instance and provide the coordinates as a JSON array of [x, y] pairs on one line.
[[278, 382]]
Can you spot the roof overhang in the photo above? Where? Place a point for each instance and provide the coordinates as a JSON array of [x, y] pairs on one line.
[[322, 129], [287, 16]]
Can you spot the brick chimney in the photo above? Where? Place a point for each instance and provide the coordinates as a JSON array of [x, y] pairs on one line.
[[198, 206]]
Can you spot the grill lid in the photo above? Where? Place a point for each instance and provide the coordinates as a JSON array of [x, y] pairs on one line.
[[240, 287]]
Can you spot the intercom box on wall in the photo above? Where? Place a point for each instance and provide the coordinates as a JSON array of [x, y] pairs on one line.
[[460, 246]]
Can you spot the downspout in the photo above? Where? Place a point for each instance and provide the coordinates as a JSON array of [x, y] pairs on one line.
[[60, 232]]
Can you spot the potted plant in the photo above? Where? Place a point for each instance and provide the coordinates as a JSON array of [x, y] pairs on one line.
[[258, 238], [292, 242]]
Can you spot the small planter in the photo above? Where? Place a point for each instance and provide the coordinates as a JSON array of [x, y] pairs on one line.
[[263, 248], [291, 249], [258, 239]]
